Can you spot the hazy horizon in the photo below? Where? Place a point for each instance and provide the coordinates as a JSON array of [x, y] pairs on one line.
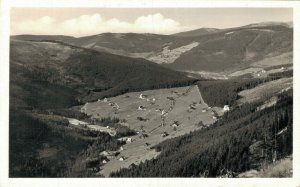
[[80, 22]]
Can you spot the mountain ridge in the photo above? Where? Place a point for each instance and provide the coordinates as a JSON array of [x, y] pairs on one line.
[[217, 50]]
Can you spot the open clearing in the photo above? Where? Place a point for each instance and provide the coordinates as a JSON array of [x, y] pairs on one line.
[[257, 72], [76, 122], [152, 113], [285, 58], [170, 55], [269, 88]]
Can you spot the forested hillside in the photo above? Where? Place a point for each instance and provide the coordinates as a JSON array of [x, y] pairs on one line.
[[54, 75], [46, 79], [48, 146], [225, 92]]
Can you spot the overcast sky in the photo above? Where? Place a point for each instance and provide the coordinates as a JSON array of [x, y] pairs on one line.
[[89, 21]]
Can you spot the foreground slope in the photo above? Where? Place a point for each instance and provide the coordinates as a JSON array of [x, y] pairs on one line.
[[279, 169]]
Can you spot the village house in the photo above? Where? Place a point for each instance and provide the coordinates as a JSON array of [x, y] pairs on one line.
[[104, 153], [143, 136], [104, 161], [142, 96], [175, 124], [164, 134], [158, 110], [226, 108], [193, 107], [142, 119], [109, 154], [126, 139], [122, 158], [141, 108], [129, 140]]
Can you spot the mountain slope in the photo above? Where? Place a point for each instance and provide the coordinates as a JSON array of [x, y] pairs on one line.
[[205, 49], [236, 48], [197, 32], [50, 74]]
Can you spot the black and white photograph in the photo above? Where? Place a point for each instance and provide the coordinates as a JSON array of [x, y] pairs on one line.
[[151, 92]]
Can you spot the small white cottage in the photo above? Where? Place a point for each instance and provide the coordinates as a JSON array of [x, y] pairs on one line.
[[226, 108]]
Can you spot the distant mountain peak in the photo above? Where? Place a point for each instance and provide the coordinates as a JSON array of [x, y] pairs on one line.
[[198, 32], [271, 23]]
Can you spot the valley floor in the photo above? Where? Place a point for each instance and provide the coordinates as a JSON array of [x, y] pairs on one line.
[[155, 115]]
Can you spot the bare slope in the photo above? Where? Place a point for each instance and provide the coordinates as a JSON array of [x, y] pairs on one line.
[[265, 90]]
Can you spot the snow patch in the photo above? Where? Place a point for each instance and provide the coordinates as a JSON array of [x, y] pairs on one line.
[[228, 33], [89, 45], [264, 30]]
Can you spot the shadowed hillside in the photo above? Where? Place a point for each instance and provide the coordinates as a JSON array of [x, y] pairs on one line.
[[49, 74]]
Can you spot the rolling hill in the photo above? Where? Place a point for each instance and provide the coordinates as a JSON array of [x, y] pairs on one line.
[[51, 74], [236, 48], [204, 49], [198, 32]]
